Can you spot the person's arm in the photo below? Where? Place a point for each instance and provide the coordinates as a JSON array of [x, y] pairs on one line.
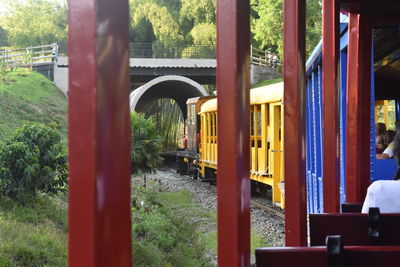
[[382, 156], [387, 154]]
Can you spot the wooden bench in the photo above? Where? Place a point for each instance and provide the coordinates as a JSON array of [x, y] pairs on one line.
[[356, 228], [329, 256], [351, 207]]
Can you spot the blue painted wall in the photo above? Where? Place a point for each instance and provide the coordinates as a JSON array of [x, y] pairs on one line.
[[379, 169], [314, 160]]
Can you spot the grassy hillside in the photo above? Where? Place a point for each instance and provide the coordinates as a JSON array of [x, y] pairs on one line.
[[33, 232], [29, 96], [268, 82]]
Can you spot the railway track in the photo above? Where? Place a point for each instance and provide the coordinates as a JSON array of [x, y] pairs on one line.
[[267, 207]]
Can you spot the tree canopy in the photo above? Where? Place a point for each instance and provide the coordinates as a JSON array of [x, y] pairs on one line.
[[3, 37], [267, 24], [177, 21], [34, 22]]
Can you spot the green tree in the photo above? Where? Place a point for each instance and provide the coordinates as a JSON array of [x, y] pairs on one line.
[[146, 144], [34, 22], [198, 11], [3, 37], [163, 21], [33, 159], [267, 26]]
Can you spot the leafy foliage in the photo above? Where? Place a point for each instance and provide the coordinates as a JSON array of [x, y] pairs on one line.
[[164, 25], [169, 122], [267, 28], [34, 22], [164, 231], [198, 11], [30, 96], [4, 69], [166, 21], [33, 233], [146, 144], [32, 160], [3, 37]]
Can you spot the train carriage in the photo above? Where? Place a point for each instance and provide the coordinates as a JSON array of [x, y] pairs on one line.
[[383, 104], [266, 142]]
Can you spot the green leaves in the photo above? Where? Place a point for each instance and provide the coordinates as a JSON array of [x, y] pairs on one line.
[[34, 22], [146, 144], [267, 26], [33, 159], [164, 25], [166, 21]]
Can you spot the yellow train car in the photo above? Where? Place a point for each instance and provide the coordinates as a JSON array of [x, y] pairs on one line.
[[266, 139]]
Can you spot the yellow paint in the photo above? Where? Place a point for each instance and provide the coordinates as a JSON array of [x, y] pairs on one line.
[[266, 137]]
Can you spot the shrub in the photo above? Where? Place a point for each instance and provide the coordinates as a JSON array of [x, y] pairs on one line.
[[33, 159], [146, 144]]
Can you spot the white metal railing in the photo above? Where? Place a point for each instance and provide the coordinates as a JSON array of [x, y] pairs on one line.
[[30, 56], [264, 58], [46, 54]]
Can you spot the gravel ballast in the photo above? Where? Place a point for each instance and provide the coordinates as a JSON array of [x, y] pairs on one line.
[[267, 225]]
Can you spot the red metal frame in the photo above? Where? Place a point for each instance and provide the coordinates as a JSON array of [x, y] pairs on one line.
[[233, 84], [294, 122], [330, 103], [99, 219], [358, 108]]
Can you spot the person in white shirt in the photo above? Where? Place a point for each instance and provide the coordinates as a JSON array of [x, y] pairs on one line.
[[384, 195]]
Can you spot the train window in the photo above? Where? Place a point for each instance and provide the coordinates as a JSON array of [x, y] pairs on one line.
[[255, 126], [192, 114], [385, 112]]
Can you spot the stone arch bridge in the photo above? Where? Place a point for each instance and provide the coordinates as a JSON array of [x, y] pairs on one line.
[[177, 76]]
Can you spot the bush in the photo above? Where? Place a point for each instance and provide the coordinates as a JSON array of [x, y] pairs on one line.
[[146, 144], [33, 159]]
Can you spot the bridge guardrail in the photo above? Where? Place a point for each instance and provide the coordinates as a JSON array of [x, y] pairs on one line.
[[264, 58], [258, 56], [30, 56], [173, 51]]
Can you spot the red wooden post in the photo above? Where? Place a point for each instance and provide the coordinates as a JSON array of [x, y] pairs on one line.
[[294, 122], [233, 133], [358, 108], [330, 100], [99, 134]]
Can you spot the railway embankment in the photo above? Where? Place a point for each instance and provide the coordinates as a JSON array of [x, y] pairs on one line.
[[29, 96], [267, 228]]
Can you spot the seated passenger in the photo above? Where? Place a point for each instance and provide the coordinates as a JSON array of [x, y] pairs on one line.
[[379, 137], [383, 195], [388, 137], [388, 152]]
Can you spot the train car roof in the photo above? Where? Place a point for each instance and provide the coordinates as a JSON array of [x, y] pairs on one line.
[[265, 94]]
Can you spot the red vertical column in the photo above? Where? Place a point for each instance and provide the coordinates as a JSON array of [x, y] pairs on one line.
[[294, 122], [99, 134], [358, 108], [233, 133], [330, 104]]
